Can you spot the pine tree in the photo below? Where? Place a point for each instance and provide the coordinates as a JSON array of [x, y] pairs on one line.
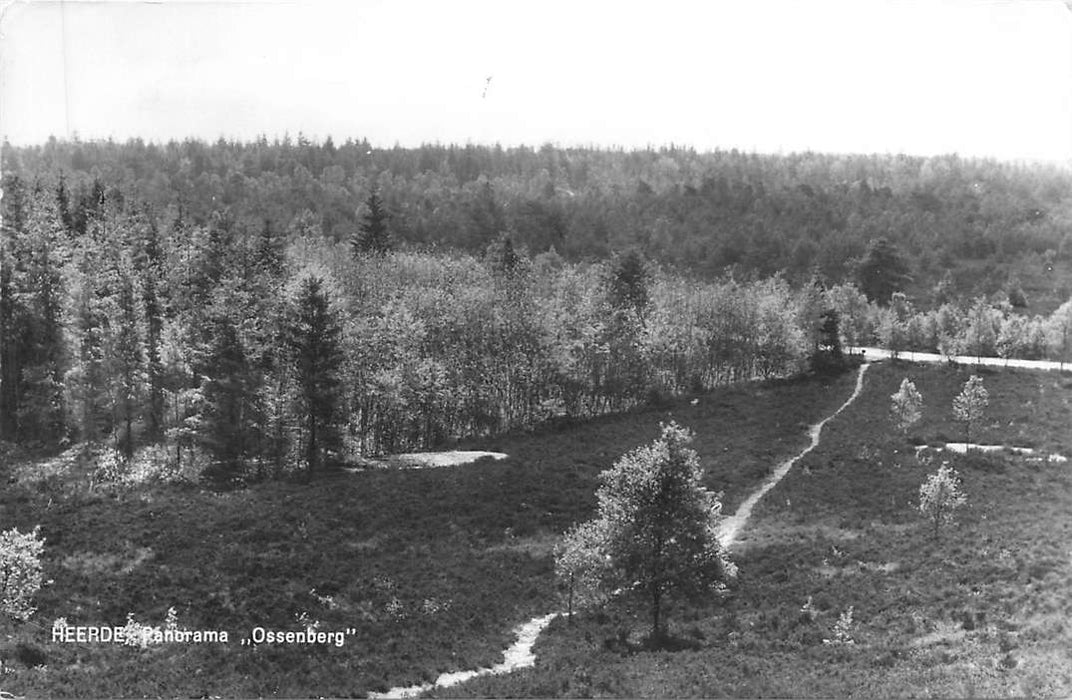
[[41, 410], [373, 236], [126, 363], [12, 225], [627, 283], [269, 255], [501, 256], [63, 205], [151, 270], [882, 272], [315, 339], [225, 391]]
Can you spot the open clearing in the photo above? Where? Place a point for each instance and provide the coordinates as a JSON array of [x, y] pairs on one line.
[[981, 612], [436, 568]]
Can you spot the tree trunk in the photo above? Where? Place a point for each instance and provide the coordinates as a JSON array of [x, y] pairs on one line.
[[311, 453], [570, 605], [656, 613]]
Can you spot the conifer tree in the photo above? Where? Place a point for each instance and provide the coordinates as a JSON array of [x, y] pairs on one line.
[[314, 335], [151, 270], [882, 272], [373, 236], [223, 429], [126, 363], [12, 224], [501, 256], [41, 410], [627, 282]]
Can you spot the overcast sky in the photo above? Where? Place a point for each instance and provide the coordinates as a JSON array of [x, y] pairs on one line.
[[931, 76]]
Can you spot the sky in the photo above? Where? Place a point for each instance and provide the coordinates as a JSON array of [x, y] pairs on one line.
[[979, 78]]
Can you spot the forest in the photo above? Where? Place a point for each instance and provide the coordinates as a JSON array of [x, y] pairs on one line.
[[246, 310], [987, 223]]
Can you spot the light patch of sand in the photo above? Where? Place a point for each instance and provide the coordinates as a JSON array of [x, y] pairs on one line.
[[90, 564], [829, 570], [422, 460], [425, 460], [963, 447]]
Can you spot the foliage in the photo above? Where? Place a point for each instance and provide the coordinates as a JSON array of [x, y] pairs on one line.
[[20, 572], [883, 271], [314, 337], [501, 255], [970, 404], [627, 281], [906, 405], [148, 310], [373, 236], [703, 210], [655, 534], [940, 497], [842, 629]]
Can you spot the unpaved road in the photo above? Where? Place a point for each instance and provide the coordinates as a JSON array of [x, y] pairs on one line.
[[930, 357]]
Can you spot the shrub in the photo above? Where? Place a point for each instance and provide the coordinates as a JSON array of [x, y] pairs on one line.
[[842, 629], [940, 496], [970, 404], [20, 572], [906, 406]]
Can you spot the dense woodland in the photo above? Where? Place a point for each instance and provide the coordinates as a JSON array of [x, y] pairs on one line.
[[245, 310], [704, 211]]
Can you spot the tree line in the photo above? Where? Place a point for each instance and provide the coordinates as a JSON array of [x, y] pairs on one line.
[[795, 213], [244, 350], [248, 351]]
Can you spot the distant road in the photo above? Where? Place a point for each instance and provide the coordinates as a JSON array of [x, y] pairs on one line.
[[883, 354]]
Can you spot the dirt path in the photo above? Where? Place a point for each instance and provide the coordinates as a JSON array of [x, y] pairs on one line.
[[520, 655], [732, 525], [931, 358]]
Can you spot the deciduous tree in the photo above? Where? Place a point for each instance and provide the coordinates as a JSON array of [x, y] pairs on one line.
[[970, 404], [940, 497], [655, 534], [906, 405]]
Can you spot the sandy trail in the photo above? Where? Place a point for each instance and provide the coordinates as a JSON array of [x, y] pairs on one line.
[[519, 655], [931, 358], [732, 525]]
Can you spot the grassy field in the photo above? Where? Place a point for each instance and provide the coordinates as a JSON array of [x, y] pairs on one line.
[[431, 568], [982, 612]]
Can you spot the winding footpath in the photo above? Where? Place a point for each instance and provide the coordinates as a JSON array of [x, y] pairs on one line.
[[732, 525], [520, 655]]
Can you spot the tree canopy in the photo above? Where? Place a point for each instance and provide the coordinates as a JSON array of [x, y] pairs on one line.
[[656, 531]]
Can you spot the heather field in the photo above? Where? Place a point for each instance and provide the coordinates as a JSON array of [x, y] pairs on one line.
[[433, 568]]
